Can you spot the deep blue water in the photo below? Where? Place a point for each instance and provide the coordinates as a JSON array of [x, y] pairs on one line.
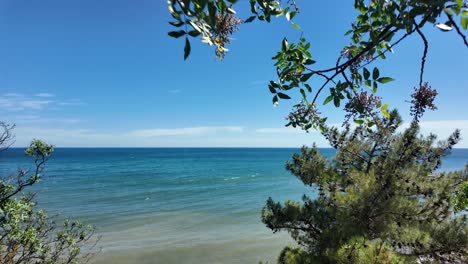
[[95, 183], [169, 196]]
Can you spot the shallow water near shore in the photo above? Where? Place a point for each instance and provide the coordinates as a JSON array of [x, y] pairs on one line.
[[174, 205]]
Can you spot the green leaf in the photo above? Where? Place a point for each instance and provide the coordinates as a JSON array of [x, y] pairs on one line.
[[336, 101], [195, 26], [309, 89], [385, 80], [186, 48], [464, 22], [359, 122], [375, 74], [177, 34], [283, 96], [275, 85], [303, 93], [177, 23], [275, 100], [306, 77], [194, 33], [386, 114], [285, 44], [384, 107], [296, 26], [381, 55], [366, 74], [368, 83], [328, 99], [292, 14], [250, 19], [174, 13], [221, 6], [374, 87], [272, 89]]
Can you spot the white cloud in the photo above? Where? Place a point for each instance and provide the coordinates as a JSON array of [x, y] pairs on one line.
[[443, 128], [17, 102], [26, 120], [161, 137], [186, 131], [279, 130], [445, 124], [202, 136], [34, 104], [14, 102], [44, 95], [13, 95], [71, 102]]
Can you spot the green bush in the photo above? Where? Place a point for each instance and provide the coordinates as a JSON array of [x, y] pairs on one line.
[[29, 235]]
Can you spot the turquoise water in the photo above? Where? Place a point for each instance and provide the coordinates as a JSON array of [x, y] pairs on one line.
[[173, 205]]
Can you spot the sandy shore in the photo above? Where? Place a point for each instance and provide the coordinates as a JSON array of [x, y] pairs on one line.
[[229, 252]]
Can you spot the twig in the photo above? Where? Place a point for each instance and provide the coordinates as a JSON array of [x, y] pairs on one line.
[[423, 60], [458, 29]]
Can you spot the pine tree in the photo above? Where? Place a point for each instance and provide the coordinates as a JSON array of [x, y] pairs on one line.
[[381, 199]]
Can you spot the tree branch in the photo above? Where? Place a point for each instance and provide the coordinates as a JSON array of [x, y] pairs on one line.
[[423, 59], [458, 29]]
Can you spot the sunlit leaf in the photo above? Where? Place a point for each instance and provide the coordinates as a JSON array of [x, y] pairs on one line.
[[285, 44], [444, 27], [464, 22], [385, 80], [328, 99], [386, 114], [384, 107], [296, 26], [177, 23], [359, 122]]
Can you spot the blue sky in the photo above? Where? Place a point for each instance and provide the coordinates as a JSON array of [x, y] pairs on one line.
[[89, 73]]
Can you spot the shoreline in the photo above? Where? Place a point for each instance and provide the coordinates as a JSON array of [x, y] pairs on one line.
[[228, 252]]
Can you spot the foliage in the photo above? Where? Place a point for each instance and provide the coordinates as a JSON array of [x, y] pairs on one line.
[[380, 199], [28, 235], [461, 197], [379, 26], [215, 20]]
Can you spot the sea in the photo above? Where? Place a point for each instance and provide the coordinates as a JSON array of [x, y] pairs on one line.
[[173, 205]]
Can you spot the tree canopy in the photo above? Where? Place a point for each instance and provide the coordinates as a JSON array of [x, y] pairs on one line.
[[379, 26], [382, 198], [29, 235]]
